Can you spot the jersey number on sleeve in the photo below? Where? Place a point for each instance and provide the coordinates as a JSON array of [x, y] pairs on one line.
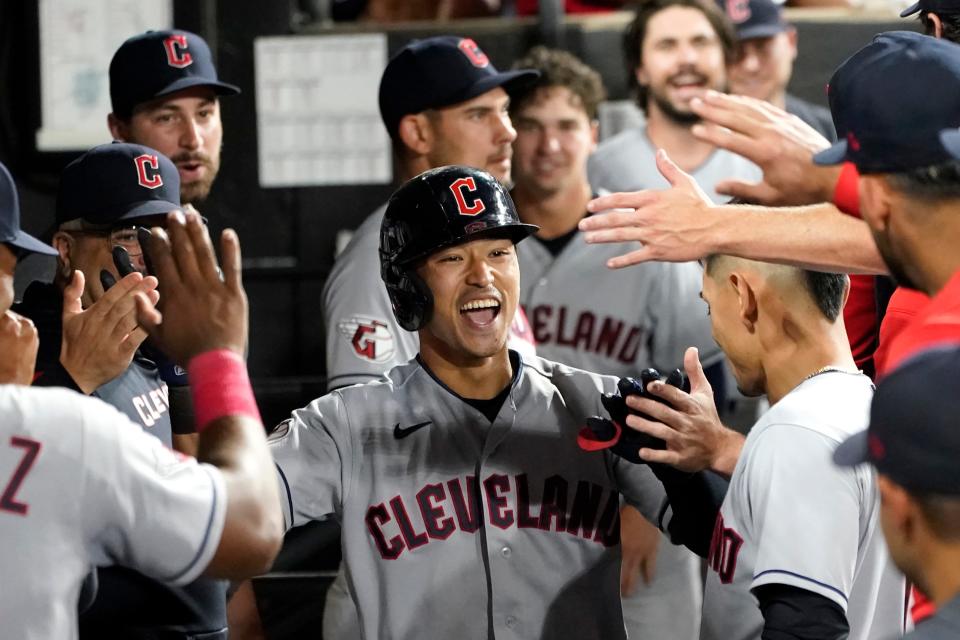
[[8, 501]]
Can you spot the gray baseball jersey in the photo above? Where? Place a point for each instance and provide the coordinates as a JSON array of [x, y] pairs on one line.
[[614, 321], [456, 527], [82, 485], [792, 517], [625, 162], [363, 337]]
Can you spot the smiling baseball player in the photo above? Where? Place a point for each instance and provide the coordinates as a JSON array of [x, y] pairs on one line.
[[467, 508]]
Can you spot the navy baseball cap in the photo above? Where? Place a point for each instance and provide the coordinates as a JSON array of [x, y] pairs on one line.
[[117, 181], [439, 72], [897, 101], [10, 232], [940, 7], [914, 432], [158, 63], [754, 18]]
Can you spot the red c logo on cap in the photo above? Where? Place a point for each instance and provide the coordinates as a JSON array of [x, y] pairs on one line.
[[148, 171], [457, 188], [738, 10], [474, 53], [177, 54]]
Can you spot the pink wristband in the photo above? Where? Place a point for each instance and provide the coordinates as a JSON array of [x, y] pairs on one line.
[[220, 387]]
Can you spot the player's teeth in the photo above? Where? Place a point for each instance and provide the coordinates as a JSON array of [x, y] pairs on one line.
[[479, 304]]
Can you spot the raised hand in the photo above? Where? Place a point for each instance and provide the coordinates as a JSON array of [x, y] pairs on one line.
[[198, 311], [18, 344], [99, 342], [689, 425]]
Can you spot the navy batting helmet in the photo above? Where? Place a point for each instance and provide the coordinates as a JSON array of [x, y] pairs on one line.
[[438, 209]]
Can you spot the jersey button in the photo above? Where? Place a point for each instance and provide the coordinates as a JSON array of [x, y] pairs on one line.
[[542, 282], [505, 552], [511, 621]]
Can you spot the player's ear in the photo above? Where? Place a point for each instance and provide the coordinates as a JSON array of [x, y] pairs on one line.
[[746, 299], [876, 196], [119, 128], [415, 132], [899, 510], [594, 134]]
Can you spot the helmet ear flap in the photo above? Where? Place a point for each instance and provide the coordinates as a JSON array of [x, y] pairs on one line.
[[410, 297]]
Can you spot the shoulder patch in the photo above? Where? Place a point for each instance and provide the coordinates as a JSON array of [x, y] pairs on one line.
[[280, 431], [369, 338]]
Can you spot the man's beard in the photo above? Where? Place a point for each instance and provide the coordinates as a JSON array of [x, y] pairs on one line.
[[671, 112], [197, 191], [894, 264]]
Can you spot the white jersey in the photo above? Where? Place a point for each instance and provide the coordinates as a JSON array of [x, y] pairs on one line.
[[613, 321], [363, 338], [83, 486], [456, 527], [793, 517], [626, 162]]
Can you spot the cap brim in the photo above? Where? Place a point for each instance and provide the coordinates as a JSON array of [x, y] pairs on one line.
[[26, 242], [852, 451], [761, 31], [148, 209], [220, 88], [837, 154], [909, 11], [950, 139], [509, 80]]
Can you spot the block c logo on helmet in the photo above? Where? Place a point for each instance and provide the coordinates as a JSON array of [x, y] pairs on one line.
[[460, 188]]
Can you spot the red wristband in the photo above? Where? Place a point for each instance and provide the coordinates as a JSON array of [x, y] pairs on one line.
[[846, 195], [220, 387]]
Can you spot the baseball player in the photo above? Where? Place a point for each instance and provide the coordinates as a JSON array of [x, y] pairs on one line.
[[795, 536], [581, 317], [104, 196], [165, 93], [442, 102], [466, 507], [83, 485]]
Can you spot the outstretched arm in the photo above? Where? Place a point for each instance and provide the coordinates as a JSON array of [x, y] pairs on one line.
[[680, 224]]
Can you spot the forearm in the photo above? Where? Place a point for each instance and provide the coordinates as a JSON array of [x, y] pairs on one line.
[[695, 499], [253, 528], [791, 613], [817, 237]]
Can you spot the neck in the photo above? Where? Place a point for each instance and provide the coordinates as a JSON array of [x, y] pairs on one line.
[[936, 261], [799, 349], [477, 378], [687, 151], [411, 167], [779, 99], [941, 582], [556, 213]]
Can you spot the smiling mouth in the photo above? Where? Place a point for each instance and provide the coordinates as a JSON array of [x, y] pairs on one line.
[[481, 312]]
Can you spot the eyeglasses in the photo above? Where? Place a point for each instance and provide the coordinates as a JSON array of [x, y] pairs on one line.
[[125, 237]]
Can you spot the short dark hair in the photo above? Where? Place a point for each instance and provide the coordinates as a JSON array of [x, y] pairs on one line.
[[936, 182], [942, 513], [637, 31], [559, 69], [827, 290], [949, 21]]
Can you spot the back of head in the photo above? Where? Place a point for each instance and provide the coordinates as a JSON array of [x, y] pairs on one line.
[[826, 292], [158, 63], [559, 68], [437, 209]]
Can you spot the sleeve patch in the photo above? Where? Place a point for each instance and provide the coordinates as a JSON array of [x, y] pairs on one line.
[[370, 338]]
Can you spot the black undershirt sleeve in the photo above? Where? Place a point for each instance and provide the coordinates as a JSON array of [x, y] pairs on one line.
[[695, 499], [792, 613]]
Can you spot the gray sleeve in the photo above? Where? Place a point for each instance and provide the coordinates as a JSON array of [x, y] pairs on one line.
[[811, 540], [640, 488], [363, 338], [314, 452], [679, 317]]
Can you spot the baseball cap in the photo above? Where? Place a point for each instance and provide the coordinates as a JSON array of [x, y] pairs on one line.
[[158, 63], [913, 435], [117, 181], [898, 102], [936, 6], [10, 231], [755, 18], [438, 72]]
